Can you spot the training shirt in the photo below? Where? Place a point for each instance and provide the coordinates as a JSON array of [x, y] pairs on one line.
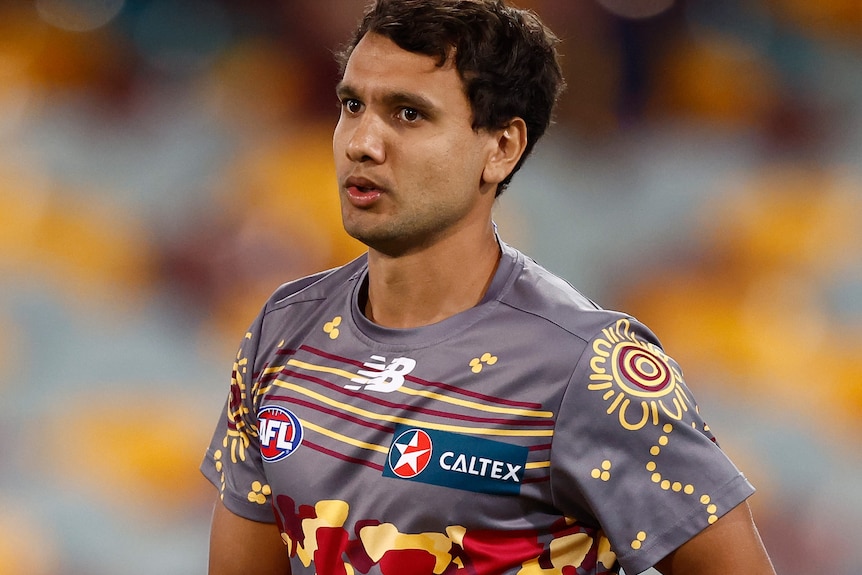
[[532, 432]]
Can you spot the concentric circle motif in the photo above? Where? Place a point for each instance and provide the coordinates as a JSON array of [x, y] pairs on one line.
[[640, 371], [640, 384]]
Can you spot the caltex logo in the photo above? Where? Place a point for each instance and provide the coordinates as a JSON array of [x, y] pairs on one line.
[[280, 433], [410, 454]]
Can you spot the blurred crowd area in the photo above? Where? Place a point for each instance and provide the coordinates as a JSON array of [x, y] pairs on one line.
[[164, 165]]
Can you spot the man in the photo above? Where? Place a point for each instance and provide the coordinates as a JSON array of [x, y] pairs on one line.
[[443, 404]]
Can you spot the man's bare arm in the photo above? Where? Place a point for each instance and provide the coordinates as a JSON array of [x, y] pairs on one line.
[[729, 546], [239, 546]]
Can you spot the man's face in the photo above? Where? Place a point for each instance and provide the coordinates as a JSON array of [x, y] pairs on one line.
[[409, 165]]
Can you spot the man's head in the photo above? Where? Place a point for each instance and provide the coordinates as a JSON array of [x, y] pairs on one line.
[[505, 56]]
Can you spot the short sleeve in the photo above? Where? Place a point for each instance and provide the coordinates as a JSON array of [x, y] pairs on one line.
[[233, 461], [631, 447]]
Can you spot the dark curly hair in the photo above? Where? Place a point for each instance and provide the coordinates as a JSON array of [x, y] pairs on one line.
[[506, 56]]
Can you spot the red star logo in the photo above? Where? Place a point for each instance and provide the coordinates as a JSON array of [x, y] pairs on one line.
[[413, 453]]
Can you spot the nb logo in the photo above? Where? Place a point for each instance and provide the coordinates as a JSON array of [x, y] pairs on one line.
[[381, 376]]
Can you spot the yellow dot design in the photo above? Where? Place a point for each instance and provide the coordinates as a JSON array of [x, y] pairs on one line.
[[218, 458], [603, 473], [639, 540], [331, 327], [477, 363], [259, 493], [711, 508], [651, 466], [666, 484]]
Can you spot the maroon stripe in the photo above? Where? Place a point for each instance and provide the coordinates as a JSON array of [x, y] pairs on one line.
[[338, 358], [333, 413], [437, 384], [343, 457], [414, 409], [475, 394], [541, 479]]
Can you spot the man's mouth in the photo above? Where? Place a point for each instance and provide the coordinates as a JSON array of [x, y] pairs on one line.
[[362, 193]]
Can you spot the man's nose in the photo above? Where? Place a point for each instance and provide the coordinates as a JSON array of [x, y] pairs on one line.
[[367, 141]]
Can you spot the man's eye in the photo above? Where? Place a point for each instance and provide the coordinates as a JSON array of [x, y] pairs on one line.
[[351, 105], [409, 115]]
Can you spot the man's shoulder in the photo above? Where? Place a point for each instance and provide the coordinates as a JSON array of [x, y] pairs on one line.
[[543, 294], [316, 286]]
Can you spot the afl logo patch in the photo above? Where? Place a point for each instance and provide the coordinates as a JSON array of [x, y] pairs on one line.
[[280, 433], [410, 453]]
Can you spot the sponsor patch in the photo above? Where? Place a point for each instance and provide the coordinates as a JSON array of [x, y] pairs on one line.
[[280, 433], [456, 460]]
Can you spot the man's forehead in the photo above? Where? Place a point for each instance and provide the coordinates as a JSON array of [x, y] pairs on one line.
[[380, 68], [375, 51]]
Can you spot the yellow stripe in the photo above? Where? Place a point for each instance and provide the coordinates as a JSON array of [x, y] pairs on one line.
[[344, 438], [312, 367], [406, 421], [474, 405], [428, 394], [537, 465]]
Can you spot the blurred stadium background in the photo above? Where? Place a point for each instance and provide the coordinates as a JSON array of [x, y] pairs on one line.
[[165, 164]]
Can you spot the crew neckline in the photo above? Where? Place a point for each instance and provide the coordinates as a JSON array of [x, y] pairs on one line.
[[436, 332]]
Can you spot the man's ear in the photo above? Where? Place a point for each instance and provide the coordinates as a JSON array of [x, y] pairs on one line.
[[509, 145]]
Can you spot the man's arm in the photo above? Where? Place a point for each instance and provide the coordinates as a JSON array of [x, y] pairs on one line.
[[729, 546], [239, 546]]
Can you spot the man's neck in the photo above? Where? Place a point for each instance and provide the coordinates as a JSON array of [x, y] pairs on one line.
[[432, 284]]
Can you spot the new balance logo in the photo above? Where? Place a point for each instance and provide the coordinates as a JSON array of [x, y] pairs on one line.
[[381, 376]]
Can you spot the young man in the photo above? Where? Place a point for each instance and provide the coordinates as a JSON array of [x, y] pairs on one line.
[[443, 404]]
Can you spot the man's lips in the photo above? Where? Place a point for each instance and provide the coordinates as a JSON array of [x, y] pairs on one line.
[[361, 192]]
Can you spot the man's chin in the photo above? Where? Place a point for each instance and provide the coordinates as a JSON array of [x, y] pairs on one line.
[[391, 245]]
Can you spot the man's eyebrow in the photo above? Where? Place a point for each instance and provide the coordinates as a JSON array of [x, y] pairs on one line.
[[343, 90], [395, 98], [410, 100]]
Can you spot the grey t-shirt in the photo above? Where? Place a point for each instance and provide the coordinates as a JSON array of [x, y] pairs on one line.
[[532, 432]]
